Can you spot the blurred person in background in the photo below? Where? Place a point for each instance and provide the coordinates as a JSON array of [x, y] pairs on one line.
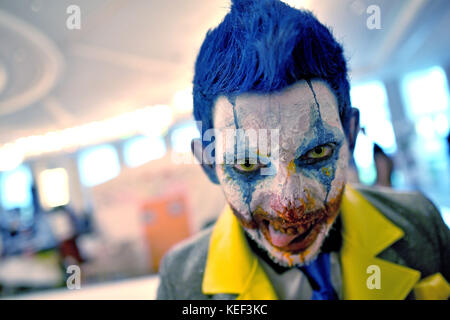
[[448, 143], [384, 166], [300, 231]]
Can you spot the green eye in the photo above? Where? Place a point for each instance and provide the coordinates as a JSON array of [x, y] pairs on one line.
[[319, 152], [247, 166]]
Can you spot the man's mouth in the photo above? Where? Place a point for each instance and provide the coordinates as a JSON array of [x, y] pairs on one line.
[[291, 237]]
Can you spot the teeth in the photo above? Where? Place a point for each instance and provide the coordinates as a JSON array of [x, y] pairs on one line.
[[301, 229], [276, 225], [291, 231]]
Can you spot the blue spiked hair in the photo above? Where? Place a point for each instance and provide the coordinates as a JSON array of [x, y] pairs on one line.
[[263, 46]]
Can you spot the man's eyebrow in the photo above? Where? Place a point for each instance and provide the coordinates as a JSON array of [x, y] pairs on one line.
[[318, 138]]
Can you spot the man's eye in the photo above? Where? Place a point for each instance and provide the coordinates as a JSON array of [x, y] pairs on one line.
[[247, 166], [319, 153]]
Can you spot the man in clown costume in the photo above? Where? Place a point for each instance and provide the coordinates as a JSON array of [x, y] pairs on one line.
[[293, 227]]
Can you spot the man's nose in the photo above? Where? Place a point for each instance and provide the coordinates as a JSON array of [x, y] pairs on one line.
[[287, 201]]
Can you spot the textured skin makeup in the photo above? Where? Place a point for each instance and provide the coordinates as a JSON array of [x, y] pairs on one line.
[[289, 212]]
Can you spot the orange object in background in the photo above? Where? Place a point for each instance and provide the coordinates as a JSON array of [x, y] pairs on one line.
[[166, 222]]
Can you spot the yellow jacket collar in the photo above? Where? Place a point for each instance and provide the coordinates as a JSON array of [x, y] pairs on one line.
[[366, 233], [231, 267]]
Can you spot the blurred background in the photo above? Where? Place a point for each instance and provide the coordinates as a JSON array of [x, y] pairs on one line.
[[95, 114]]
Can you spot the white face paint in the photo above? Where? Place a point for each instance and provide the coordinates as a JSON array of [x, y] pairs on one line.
[[290, 212]]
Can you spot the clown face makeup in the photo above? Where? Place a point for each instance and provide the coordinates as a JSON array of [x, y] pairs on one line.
[[290, 211]]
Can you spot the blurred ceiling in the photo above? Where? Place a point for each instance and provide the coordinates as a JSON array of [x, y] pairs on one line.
[[129, 54]]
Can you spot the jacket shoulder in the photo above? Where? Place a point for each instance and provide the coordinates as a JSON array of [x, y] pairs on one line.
[[425, 245], [404, 208], [182, 268]]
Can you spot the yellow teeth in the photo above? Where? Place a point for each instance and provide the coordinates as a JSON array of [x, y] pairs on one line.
[[302, 229], [291, 230]]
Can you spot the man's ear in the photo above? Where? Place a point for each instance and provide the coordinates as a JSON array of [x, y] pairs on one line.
[[198, 151], [353, 128]]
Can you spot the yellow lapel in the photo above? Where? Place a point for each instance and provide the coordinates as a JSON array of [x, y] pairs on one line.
[[366, 232], [231, 267], [433, 287]]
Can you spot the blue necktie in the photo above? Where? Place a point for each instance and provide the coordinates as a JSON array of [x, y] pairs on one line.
[[318, 273]]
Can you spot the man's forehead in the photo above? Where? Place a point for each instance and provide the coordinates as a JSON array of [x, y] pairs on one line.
[[289, 110]]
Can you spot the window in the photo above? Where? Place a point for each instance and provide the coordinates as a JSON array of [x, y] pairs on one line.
[[98, 165], [426, 99], [182, 136], [54, 187], [375, 119], [372, 102], [364, 160], [140, 150], [425, 92], [15, 187]]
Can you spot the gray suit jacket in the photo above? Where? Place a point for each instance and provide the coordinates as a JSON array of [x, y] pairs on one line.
[[425, 246]]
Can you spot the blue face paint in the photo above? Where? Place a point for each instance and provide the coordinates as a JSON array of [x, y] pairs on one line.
[[246, 181], [322, 170], [320, 134], [232, 100], [261, 201]]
